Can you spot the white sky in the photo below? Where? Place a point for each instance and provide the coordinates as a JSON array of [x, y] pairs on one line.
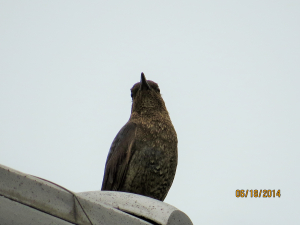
[[228, 72]]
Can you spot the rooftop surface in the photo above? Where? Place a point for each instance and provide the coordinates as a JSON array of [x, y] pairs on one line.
[[26, 199]]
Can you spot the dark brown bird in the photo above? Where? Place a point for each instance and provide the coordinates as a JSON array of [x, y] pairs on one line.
[[143, 156]]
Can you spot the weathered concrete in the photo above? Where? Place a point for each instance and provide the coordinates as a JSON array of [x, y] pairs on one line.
[[138, 205], [25, 199], [14, 213]]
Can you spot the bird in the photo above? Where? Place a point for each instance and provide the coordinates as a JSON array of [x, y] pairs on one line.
[[143, 156]]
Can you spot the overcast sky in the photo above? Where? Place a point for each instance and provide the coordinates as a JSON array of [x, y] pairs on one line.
[[229, 72]]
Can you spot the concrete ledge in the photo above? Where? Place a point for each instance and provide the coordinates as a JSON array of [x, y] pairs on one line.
[[140, 206], [26, 198], [12, 212]]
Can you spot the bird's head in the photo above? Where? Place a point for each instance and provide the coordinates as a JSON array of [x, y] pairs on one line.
[[146, 97]]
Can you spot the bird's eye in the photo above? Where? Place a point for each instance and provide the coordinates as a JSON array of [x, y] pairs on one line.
[[133, 93]]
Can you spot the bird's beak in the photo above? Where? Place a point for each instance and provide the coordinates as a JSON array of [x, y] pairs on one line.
[[143, 83]]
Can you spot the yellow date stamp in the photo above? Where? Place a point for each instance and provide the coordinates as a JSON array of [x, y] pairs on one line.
[[257, 193]]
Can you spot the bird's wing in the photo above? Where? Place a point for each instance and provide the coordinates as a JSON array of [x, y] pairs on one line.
[[118, 158]]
